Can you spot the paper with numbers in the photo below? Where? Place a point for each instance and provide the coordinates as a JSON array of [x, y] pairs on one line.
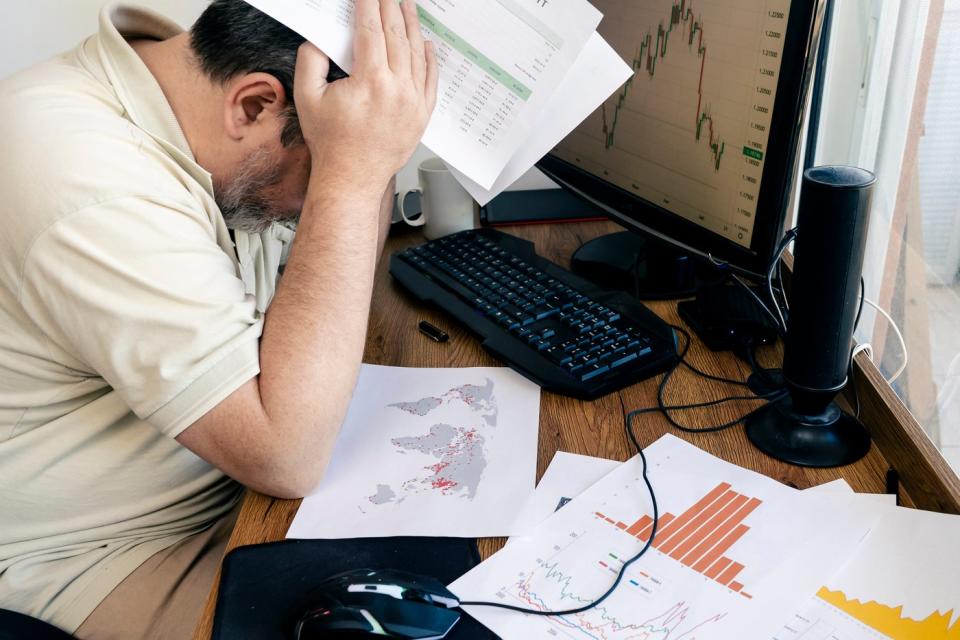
[[500, 61]]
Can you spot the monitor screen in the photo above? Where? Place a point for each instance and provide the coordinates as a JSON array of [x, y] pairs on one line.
[[700, 145]]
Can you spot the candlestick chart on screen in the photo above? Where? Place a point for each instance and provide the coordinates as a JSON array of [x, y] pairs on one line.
[[690, 130], [689, 31]]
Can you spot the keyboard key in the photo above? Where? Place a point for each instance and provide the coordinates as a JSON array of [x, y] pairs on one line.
[[630, 357], [594, 371]]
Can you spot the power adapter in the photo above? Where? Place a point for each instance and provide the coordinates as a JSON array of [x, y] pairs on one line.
[[727, 318]]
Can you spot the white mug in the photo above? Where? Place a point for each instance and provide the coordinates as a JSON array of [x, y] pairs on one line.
[[446, 206]]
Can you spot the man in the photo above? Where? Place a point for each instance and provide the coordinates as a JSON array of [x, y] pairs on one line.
[[150, 362]]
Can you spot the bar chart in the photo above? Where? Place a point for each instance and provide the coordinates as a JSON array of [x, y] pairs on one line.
[[732, 555], [700, 536]]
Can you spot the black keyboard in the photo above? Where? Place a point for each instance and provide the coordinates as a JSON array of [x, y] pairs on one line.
[[553, 327]]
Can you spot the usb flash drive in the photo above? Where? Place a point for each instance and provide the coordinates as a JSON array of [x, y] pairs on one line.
[[434, 333]]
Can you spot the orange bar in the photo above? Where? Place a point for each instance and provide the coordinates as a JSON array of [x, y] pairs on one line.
[[746, 595], [735, 586], [717, 567], [717, 522], [601, 516], [690, 533], [664, 521], [722, 547], [610, 520], [730, 573], [704, 548], [693, 511], [638, 526], [621, 525]]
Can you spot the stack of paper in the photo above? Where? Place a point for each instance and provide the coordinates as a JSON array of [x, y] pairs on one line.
[[736, 555], [516, 76]]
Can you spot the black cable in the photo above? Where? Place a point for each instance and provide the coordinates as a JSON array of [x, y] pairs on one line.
[[665, 409], [628, 424], [751, 358], [781, 331], [788, 237], [778, 320], [863, 298], [708, 376], [568, 612]]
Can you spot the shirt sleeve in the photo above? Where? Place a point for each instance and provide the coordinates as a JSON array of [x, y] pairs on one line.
[[141, 294]]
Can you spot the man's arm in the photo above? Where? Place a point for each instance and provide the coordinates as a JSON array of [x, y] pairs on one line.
[[386, 213], [276, 433]]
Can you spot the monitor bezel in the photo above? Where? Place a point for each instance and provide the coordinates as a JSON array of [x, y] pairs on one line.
[[801, 43]]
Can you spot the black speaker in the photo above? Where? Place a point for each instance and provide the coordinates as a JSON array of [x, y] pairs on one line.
[[807, 427]]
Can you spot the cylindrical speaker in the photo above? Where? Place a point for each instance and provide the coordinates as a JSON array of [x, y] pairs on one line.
[[825, 288], [806, 427]]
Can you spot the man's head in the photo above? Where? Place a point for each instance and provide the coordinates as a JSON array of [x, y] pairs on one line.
[[262, 164]]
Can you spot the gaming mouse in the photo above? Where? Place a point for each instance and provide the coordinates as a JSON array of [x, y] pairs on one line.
[[367, 603]]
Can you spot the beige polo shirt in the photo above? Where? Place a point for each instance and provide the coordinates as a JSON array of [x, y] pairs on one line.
[[125, 315]]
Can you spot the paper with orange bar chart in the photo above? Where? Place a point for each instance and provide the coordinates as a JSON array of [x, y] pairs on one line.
[[902, 584], [734, 555]]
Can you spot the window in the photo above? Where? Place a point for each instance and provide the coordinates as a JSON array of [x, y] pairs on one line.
[[890, 105]]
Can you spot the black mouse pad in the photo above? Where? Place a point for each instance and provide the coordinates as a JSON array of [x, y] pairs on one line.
[[265, 588]]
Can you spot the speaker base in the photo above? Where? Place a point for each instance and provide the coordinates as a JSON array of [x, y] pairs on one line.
[[830, 439]]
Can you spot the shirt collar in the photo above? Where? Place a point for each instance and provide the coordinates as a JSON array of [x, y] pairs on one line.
[[134, 85]]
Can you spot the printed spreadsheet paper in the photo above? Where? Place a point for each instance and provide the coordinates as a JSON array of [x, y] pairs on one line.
[[597, 73], [430, 452], [499, 60], [735, 555]]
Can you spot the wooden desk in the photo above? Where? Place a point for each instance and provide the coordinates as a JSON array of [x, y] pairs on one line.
[[597, 428]]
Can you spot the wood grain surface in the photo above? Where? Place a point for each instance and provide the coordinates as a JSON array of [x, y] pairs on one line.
[[597, 428]]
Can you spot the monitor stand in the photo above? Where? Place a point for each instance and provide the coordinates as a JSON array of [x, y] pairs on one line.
[[646, 269]]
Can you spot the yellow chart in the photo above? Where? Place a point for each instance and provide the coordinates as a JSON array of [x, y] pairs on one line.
[[890, 620]]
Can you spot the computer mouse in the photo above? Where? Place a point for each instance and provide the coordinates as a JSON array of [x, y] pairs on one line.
[[368, 603]]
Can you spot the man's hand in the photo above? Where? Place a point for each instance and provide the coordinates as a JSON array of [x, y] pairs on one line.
[[276, 433], [361, 130]]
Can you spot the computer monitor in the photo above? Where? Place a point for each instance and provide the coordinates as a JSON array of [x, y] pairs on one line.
[[699, 148]]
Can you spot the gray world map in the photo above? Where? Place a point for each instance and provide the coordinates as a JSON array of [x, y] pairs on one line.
[[459, 450]]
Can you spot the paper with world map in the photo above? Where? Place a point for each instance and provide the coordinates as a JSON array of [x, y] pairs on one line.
[[430, 452]]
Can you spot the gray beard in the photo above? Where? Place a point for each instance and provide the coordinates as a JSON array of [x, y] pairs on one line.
[[242, 203]]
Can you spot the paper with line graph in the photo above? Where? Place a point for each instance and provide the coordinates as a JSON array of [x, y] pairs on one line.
[[735, 554], [499, 62]]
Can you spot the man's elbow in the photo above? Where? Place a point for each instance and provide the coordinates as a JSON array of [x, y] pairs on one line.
[[288, 478], [284, 457]]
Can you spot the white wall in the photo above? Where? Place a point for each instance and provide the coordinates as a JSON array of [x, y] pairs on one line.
[[34, 30]]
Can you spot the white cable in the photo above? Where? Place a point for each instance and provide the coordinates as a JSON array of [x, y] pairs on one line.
[[896, 330], [866, 348]]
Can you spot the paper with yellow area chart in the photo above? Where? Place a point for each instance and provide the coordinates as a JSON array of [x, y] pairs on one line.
[[902, 584]]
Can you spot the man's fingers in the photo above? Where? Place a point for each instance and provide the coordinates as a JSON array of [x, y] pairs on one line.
[[313, 67], [418, 60], [395, 32], [369, 47], [433, 72]]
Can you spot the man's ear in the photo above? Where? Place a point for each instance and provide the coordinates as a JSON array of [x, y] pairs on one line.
[[252, 101]]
